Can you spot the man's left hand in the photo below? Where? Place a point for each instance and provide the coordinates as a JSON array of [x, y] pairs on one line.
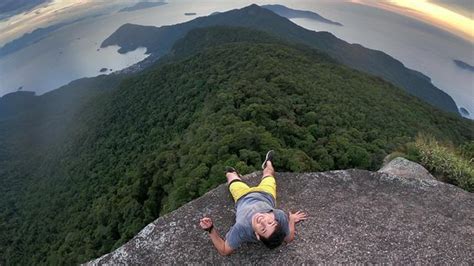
[[298, 216]]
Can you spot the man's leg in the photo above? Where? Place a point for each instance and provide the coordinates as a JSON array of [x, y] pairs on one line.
[[268, 170], [268, 183], [237, 187]]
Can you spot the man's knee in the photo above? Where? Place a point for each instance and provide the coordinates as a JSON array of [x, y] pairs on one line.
[[229, 182], [268, 172], [265, 176]]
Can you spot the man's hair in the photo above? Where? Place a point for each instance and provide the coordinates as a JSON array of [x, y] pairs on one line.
[[275, 239]]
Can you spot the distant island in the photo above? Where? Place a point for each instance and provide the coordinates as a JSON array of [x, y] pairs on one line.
[[35, 36], [464, 112], [190, 14], [463, 65], [11, 8], [142, 5], [293, 13], [28, 39]]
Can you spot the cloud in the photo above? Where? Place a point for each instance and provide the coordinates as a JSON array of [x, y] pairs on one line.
[[463, 7], [441, 14]]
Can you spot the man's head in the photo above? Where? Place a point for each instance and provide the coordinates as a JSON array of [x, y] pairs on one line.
[[269, 227]]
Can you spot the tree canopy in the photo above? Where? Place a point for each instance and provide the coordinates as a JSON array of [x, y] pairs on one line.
[[163, 138]]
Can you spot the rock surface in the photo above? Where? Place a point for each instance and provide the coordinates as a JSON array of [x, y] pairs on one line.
[[356, 216], [404, 168]]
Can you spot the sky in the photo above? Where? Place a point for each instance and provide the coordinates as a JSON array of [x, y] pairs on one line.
[[49, 13], [455, 16]]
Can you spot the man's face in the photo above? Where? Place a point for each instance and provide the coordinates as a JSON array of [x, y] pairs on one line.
[[264, 224]]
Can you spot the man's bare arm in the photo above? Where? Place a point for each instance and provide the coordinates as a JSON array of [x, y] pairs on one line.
[[294, 218], [222, 247], [291, 236]]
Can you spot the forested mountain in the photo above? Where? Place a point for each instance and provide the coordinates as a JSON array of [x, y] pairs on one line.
[[137, 147], [159, 40]]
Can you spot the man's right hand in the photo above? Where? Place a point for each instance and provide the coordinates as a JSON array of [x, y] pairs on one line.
[[206, 223], [220, 244]]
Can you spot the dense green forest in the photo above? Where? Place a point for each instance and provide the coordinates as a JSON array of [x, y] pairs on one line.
[[163, 137]]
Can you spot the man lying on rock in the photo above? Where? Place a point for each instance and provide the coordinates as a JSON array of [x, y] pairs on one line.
[[256, 216]]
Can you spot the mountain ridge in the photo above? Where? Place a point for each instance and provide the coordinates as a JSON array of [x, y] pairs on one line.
[[159, 40]]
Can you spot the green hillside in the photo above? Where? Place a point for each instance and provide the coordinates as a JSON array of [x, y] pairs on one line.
[[159, 41], [163, 138]]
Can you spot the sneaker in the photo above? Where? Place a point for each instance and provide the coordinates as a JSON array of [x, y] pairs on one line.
[[229, 169], [268, 157]]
